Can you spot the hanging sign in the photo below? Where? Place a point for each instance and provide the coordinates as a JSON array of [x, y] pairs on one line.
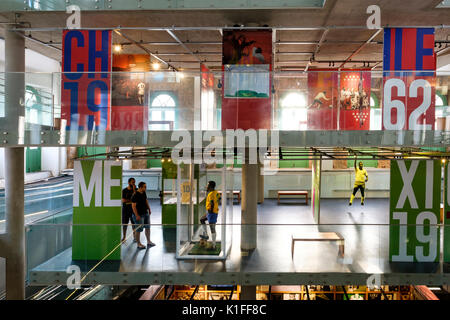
[[415, 193], [85, 87], [409, 65]]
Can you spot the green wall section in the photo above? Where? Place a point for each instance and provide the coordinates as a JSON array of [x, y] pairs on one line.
[[33, 159], [411, 242], [96, 229], [315, 189], [447, 213]]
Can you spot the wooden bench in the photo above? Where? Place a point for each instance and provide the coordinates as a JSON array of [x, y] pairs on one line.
[[293, 193], [320, 236], [235, 192]]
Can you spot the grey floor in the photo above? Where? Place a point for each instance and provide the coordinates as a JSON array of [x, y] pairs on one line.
[[365, 230]]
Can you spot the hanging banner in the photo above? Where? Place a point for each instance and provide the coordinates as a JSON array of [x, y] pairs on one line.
[[247, 85], [354, 99], [446, 213], [97, 186], [130, 88], [409, 64], [85, 87], [322, 99], [415, 193]]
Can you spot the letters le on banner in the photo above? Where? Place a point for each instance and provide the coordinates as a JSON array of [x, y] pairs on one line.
[[414, 210], [85, 87], [96, 209], [409, 64]]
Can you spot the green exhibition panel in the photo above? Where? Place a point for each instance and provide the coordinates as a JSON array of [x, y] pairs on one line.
[[96, 210], [414, 210], [315, 189], [447, 213]]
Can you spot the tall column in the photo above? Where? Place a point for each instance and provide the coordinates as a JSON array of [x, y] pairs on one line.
[[249, 206], [260, 184], [248, 293], [14, 166]]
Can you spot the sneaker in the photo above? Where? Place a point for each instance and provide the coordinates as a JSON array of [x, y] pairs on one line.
[[349, 203], [134, 240], [140, 247], [150, 244], [204, 237], [362, 203]]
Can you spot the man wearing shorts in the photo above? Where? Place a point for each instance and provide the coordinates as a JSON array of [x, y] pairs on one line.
[[212, 209], [127, 210], [361, 178], [141, 215]]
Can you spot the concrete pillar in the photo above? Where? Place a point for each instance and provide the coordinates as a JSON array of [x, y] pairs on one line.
[[249, 206], [248, 293], [14, 167], [260, 184]]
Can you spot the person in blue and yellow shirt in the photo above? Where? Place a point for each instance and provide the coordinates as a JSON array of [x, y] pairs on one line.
[[212, 209], [361, 178]]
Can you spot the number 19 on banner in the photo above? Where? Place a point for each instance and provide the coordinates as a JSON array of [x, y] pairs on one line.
[[414, 211]]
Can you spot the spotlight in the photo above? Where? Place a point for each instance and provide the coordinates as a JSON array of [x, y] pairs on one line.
[[162, 160], [155, 66], [443, 160], [181, 75], [117, 47]]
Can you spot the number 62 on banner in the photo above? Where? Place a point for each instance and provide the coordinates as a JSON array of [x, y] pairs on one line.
[[408, 103]]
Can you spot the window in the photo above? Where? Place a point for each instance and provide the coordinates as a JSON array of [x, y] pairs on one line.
[[375, 113], [293, 114], [162, 112]]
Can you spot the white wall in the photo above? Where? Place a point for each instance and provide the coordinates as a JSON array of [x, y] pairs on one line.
[[53, 159], [334, 184]]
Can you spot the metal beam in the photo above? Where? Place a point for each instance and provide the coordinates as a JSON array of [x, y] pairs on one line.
[[144, 48], [322, 39], [172, 34], [360, 48]]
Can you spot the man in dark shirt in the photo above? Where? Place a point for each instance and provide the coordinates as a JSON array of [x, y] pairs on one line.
[[141, 218], [127, 210]]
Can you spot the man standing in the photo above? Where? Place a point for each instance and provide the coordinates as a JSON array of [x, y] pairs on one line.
[[141, 215], [361, 178], [127, 210], [212, 208]]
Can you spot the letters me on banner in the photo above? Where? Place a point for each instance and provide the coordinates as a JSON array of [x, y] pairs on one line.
[[409, 65], [85, 87]]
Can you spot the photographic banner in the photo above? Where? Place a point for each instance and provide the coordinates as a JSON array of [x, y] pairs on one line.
[[354, 99], [97, 192], [130, 92], [85, 87], [409, 64], [247, 89], [322, 99], [415, 194]]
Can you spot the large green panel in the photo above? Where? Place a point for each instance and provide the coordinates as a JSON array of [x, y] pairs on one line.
[[315, 189], [96, 230], [447, 213], [33, 159], [411, 238]]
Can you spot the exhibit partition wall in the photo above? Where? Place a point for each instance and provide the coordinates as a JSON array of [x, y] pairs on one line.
[[192, 181], [97, 186]]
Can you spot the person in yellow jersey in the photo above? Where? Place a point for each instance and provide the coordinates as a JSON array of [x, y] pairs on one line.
[[212, 209], [361, 178]]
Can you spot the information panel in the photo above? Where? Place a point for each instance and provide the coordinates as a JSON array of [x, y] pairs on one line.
[[85, 88], [96, 210], [409, 62], [414, 210]]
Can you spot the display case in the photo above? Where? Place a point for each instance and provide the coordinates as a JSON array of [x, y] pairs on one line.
[[191, 185]]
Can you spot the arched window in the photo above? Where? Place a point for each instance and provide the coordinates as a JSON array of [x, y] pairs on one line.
[[293, 112], [162, 111]]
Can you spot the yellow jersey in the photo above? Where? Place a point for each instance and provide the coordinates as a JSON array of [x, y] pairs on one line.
[[360, 176], [212, 202]]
